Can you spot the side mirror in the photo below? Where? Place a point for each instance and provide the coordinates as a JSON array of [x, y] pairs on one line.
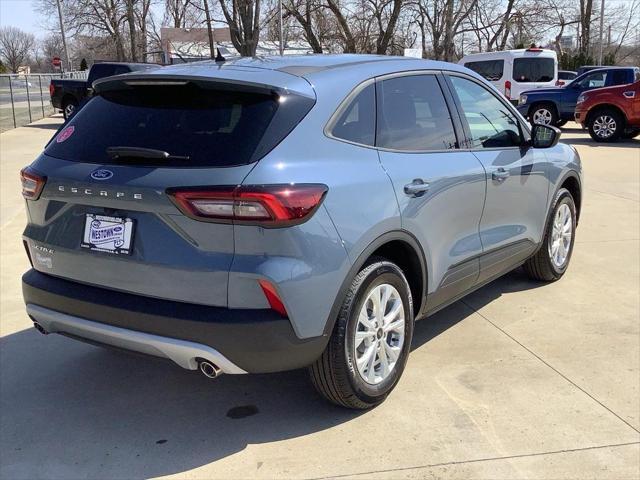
[[545, 136]]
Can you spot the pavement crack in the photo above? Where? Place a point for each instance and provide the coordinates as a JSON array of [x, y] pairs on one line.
[[553, 368], [478, 460]]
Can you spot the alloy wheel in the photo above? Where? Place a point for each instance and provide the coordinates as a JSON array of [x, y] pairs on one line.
[[604, 126], [379, 334], [69, 109], [542, 116], [561, 236]]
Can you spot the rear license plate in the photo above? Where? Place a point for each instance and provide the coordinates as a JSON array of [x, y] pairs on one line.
[[108, 234]]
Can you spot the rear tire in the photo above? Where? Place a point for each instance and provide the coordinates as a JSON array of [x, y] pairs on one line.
[[605, 125], [69, 107], [552, 259], [362, 365]]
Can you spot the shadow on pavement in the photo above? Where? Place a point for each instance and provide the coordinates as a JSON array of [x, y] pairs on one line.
[[71, 410]]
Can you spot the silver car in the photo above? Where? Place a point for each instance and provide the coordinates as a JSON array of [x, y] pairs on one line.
[[268, 214]]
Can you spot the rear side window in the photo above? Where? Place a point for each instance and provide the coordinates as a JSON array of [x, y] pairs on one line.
[[492, 70], [413, 115], [357, 122], [620, 77], [533, 69], [202, 126]]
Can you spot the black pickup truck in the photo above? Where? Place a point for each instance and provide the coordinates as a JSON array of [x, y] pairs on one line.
[[66, 94]]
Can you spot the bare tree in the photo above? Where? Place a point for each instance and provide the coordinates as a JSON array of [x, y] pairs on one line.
[[15, 47], [243, 19]]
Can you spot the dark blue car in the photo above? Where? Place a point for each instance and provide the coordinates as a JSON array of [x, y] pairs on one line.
[[555, 106]]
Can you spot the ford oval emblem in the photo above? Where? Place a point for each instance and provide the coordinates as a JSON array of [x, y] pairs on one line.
[[102, 174]]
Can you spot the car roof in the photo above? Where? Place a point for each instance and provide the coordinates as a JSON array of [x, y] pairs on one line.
[[303, 74], [305, 65]]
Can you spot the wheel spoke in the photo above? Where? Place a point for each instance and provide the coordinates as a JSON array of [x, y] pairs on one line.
[[366, 356], [393, 313], [361, 336], [384, 360], [392, 352], [363, 318], [397, 326]]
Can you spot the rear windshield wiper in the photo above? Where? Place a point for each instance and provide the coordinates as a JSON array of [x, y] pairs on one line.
[[116, 153]]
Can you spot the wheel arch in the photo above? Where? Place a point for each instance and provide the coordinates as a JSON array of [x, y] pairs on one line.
[[571, 182], [399, 247]]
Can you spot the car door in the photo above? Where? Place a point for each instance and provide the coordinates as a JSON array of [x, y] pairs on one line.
[[515, 207], [440, 188], [590, 81]]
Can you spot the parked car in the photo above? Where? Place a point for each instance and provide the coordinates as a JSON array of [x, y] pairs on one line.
[[514, 71], [260, 215], [610, 113], [555, 106], [565, 77], [67, 94]]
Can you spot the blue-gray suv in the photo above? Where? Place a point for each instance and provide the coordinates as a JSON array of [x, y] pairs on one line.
[[268, 214]]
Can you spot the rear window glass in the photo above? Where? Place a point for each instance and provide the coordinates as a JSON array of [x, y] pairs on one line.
[[492, 70], [533, 69], [199, 127]]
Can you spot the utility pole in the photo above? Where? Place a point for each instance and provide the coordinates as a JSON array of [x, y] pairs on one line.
[[601, 31], [64, 38], [281, 29]]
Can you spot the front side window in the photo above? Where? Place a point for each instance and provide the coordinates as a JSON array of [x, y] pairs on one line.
[[413, 115], [526, 70], [594, 80], [492, 70], [491, 124], [357, 122]]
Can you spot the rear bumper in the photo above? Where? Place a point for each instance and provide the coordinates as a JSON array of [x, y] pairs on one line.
[[238, 341]]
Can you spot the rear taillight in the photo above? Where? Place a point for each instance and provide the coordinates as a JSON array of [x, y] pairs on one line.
[[507, 89], [32, 183], [267, 205], [272, 297], [52, 89]]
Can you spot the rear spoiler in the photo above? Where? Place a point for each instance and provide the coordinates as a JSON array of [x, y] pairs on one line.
[[256, 80]]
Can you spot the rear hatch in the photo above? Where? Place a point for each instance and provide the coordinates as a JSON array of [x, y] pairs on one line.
[[104, 216]]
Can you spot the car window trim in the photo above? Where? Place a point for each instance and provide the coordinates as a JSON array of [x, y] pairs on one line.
[[525, 131], [411, 73]]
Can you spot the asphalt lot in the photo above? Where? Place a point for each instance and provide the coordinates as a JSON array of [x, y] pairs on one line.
[[519, 380]]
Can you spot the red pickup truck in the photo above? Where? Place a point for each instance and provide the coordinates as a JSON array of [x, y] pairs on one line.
[[610, 113]]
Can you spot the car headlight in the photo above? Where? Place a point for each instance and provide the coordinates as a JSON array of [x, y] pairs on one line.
[[581, 98], [522, 100]]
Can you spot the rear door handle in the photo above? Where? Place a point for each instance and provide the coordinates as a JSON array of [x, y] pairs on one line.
[[500, 175], [416, 188]]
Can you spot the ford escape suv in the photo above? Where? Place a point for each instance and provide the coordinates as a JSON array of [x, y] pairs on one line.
[[268, 214]]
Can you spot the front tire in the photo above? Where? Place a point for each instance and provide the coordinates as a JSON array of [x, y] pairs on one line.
[[543, 114], [371, 339], [552, 259], [605, 126]]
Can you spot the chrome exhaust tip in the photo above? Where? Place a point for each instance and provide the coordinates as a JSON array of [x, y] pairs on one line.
[[40, 328], [208, 369]]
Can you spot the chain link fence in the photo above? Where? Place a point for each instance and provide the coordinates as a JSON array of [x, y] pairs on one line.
[[25, 98]]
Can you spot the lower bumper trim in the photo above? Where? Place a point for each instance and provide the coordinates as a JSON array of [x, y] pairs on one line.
[[182, 352]]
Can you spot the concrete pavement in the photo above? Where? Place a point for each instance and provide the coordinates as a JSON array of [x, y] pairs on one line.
[[519, 380]]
